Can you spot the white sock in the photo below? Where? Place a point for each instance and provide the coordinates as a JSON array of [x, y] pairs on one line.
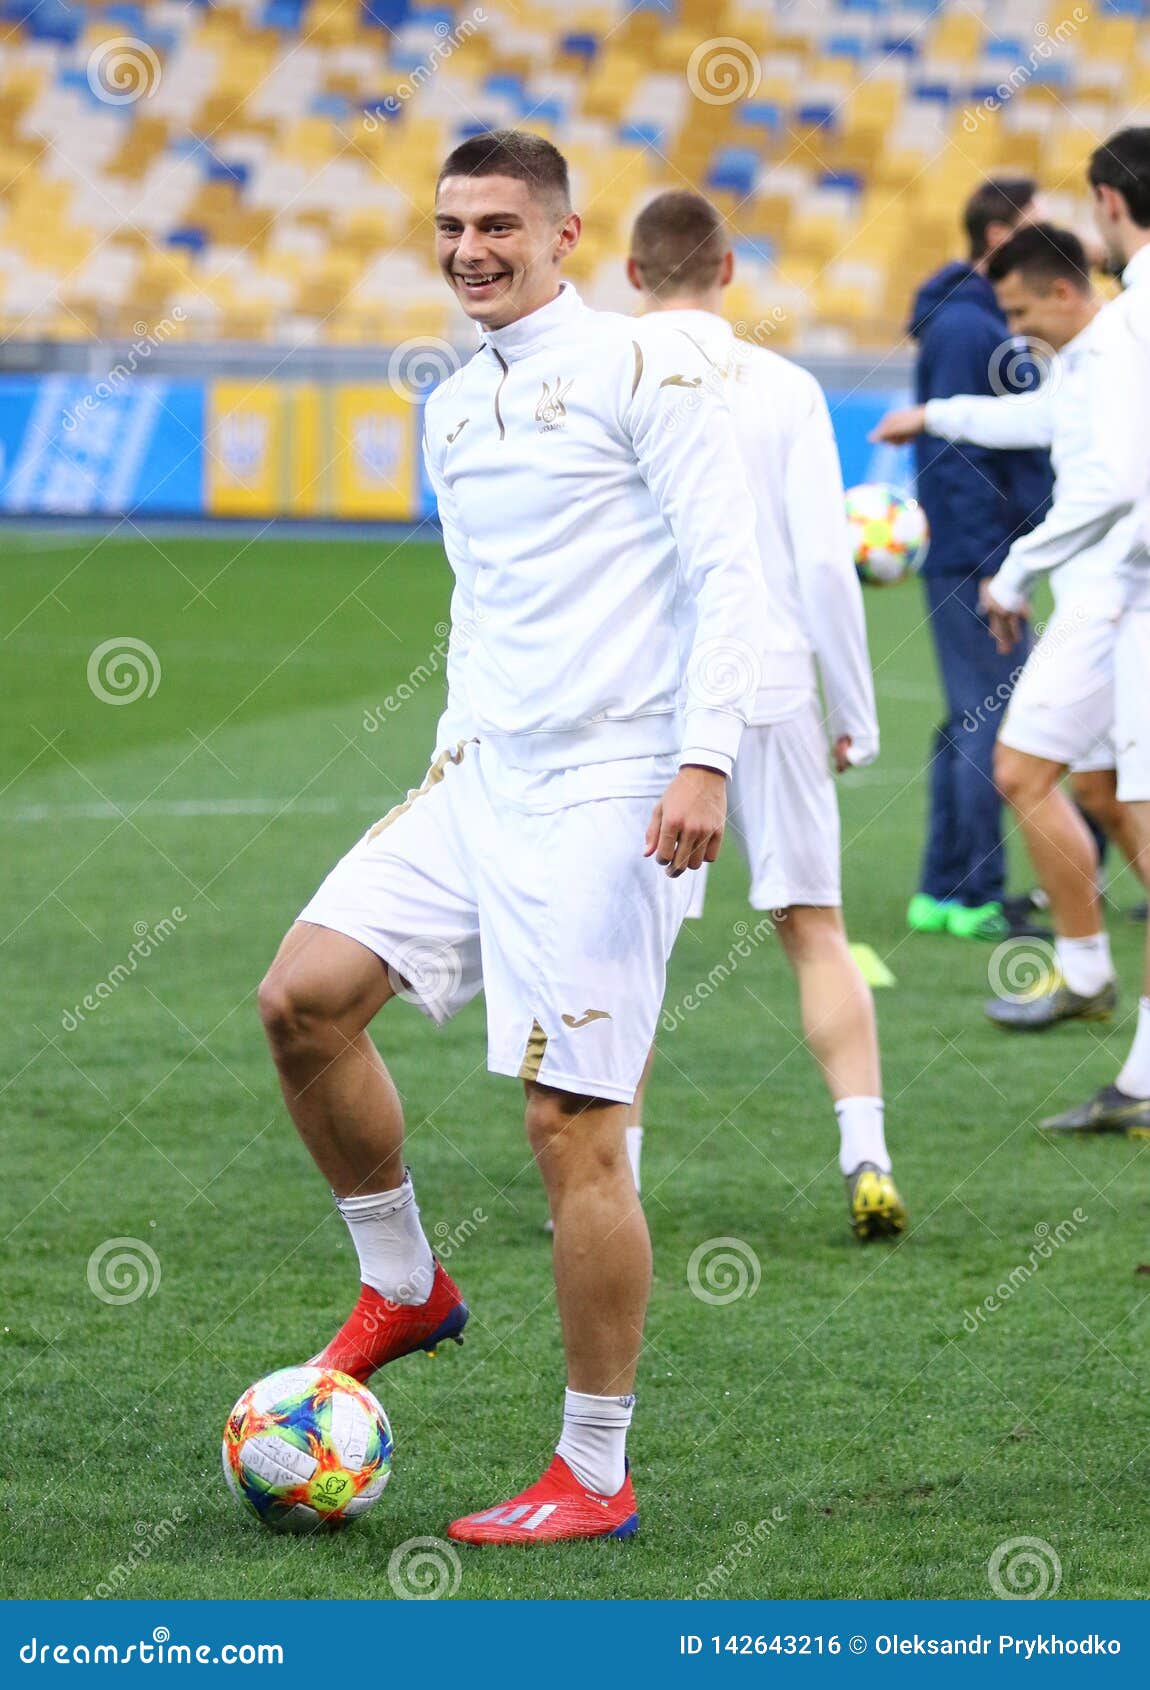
[[394, 1256], [1134, 1079], [594, 1441], [1085, 963], [635, 1151], [861, 1137]]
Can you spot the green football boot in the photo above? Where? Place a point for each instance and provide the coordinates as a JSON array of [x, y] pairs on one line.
[[985, 921], [1043, 1009], [925, 914], [1108, 1111]]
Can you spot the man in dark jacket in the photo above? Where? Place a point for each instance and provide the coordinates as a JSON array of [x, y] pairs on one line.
[[977, 501]]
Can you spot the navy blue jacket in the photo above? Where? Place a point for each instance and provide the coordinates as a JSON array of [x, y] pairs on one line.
[[977, 500]]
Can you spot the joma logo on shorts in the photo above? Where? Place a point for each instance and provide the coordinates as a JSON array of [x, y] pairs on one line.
[[587, 1017]]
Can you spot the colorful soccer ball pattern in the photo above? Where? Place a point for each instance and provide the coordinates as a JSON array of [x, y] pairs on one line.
[[307, 1449], [889, 533]]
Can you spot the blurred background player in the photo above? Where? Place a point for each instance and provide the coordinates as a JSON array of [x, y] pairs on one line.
[[977, 500], [1119, 177], [579, 741], [784, 811], [1061, 714]]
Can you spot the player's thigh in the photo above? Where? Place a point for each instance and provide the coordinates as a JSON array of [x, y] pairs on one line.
[[783, 797], [406, 893], [577, 926], [1062, 710]]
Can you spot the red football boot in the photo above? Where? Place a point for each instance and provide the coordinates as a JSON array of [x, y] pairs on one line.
[[378, 1331], [555, 1507]]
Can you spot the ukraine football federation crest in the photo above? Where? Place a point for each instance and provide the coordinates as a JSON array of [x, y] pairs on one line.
[[242, 444], [551, 412]]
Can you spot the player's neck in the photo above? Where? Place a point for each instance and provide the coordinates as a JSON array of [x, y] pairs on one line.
[[711, 300]]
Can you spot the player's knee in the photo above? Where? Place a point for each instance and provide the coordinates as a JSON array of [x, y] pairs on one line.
[[1017, 777], [809, 932], [559, 1131], [293, 1015]]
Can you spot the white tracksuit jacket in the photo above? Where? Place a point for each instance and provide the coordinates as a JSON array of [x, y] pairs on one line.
[[1097, 532], [608, 601], [789, 452]]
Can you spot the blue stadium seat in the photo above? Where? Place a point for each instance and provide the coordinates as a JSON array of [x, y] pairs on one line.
[[580, 46], [758, 114], [187, 239], [642, 135], [734, 169], [284, 15], [817, 114]]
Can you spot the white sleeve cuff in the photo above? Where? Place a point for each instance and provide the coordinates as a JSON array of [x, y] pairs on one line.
[[711, 737]]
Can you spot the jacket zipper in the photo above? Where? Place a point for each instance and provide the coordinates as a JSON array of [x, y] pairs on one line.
[[498, 413]]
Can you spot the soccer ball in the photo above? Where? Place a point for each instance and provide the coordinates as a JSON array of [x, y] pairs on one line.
[[888, 533], [307, 1449]]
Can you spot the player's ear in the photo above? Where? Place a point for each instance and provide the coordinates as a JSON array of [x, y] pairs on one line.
[[727, 267], [634, 274], [569, 232]]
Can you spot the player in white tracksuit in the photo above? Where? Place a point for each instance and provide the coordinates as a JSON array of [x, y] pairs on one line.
[[601, 668], [1062, 712], [784, 811]]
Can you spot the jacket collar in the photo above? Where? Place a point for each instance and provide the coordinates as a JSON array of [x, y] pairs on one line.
[[529, 334], [1137, 272]]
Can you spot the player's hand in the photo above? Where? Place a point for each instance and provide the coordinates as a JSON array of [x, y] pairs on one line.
[[1005, 625], [897, 427], [841, 752], [686, 826]]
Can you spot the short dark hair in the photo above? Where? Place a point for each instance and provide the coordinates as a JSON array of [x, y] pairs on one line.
[[516, 153], [678, 243], [1001, 199], [1123, 162], [1042, 253]]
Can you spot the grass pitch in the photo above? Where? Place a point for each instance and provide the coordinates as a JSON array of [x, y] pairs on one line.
[[860, 1424]]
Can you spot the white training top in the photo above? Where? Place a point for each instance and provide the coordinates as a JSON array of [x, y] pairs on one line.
[[789, 452], [608, 597], [1093, 410]]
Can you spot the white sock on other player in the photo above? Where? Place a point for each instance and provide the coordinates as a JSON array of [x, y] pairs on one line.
[[594, 1441], [1134, 1079], [861, 1135], [1085, 963], [635, 1151], [394, 1256]]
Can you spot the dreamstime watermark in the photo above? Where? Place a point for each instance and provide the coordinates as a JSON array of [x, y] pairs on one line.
[[424, 1569], [1024, 367], [123, 669], [450, 1239], [749, 1538], [723, 671], [417, 366], [148, 939], [433, 665], [723, 70], [150, 1536], [451, 38], [124, 70], [1047, 1242], [122, 1270], [146, 342], [1018, 968], [1045, 42], [426, 972], [1024, 1569], [747, 939], [1052, 637], [723, 1270]]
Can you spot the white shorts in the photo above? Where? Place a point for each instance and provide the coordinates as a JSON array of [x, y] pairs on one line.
[[558, 917], [784, 815], [1132, 706], [1062, 708]]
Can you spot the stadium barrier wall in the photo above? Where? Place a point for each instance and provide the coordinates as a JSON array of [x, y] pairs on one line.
[[177, 447]]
